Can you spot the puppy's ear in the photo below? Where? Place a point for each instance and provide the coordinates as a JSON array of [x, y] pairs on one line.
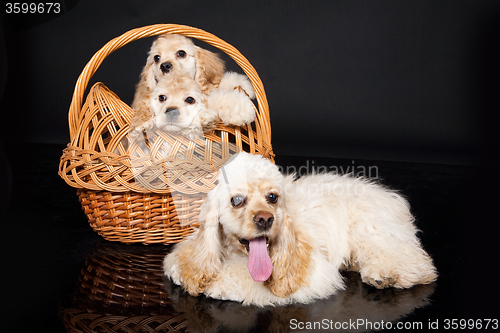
[[148, 76], [147, 83], [200, 257], [291, 259], [143, 111], [209, 69]]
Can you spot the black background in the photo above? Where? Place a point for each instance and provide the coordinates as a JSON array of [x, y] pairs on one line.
[[411, 87], [387, 80]]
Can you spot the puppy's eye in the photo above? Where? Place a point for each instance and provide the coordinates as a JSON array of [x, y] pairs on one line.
[[190, 100], [238, 201], [157, 58], [272, 198], [162, 98], [181, 54]]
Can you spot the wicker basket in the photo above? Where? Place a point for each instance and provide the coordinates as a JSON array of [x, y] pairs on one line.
[[105, 173], [122, 290]]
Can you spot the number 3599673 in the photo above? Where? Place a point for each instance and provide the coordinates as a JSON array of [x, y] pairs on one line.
[[32, 8], [477, 324]]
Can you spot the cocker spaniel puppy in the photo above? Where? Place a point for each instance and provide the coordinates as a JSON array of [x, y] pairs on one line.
[[171, 53], [266, 239], [176, 105]]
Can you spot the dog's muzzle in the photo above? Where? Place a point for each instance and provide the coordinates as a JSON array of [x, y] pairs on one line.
[[166, 67]]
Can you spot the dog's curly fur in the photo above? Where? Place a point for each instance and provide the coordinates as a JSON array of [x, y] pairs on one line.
[[321, 224], [232, 100]]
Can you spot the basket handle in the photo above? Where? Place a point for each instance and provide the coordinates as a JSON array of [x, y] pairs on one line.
[[74, 116]]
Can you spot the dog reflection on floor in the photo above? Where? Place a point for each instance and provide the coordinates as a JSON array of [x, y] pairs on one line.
[[357, 301]]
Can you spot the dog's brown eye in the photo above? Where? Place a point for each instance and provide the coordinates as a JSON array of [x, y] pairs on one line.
[[238, 201], [272, 198], [162, 98], [190, 100], [181, 54], [156, 58]]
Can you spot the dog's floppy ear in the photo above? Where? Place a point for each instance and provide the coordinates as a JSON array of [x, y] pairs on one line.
[[209, 69], [200, 257], [147, 83], [290, 257], [143, 113], [148, 76]]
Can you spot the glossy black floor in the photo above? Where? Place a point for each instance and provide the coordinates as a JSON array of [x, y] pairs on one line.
[[58, 275]]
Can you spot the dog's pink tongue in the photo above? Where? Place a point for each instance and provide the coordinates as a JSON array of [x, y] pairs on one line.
[[259, 263]]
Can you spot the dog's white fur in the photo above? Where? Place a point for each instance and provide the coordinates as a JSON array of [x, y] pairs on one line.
[[323, 223], [180, 95], [232, 100], [200, 64]]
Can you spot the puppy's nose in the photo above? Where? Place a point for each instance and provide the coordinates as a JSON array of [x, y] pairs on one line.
[[172, 113], [263, 220], [166, 67]]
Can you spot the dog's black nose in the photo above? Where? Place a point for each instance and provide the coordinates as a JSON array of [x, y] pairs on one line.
[[172, 113], [166, 67], [263, 220]]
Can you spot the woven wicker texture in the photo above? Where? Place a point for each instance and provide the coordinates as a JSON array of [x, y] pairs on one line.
[[131, 195], [121, 290], [81, 321]]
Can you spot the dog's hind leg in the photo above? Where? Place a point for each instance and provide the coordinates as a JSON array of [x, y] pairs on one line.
[[385, 247], [399, 267]]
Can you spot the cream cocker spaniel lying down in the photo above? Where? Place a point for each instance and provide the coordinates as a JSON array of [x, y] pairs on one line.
[[266, 239]]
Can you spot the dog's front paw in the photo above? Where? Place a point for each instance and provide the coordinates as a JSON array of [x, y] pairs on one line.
[[233, 107], [195, 284], [208, 120], [193, 281]]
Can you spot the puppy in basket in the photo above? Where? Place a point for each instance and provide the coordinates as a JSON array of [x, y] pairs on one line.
[[176, 105], [266, 239]]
